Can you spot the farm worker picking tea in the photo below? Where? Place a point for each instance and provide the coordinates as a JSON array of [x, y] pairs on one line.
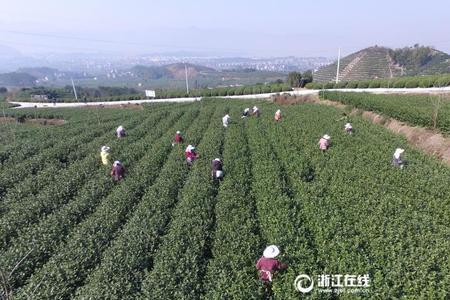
[[267, 265], [226, 120], [255, 111], [190, 154], [178, 138], [278, 115], [216, 166], [245, 112], [397, 158], [104, 154], [324, 142], [118, 171], [120, 131], [348, 128]]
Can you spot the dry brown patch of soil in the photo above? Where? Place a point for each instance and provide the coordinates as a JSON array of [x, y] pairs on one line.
[[125, 106], [38, 121], [295, 99]]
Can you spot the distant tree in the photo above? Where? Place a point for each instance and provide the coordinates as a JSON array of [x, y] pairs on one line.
[[3, 90], [307, 76], [279, 81], [294, 79]]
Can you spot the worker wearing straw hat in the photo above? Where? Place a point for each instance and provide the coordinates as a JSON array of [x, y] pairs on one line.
[[255, 111], [120, 131], [226, 120], [278, 115], [190, 154], [267, 265], [104, 154], [348, 128], [245, 113], [178, 138], [217, 171], [118, 171], [324, 142], [397, 158]]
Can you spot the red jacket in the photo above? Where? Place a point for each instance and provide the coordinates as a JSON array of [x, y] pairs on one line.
[[191, 155], [178, 138], [118, 172], [268, 266]]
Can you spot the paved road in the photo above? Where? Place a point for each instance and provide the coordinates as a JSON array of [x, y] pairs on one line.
[[255, 96]]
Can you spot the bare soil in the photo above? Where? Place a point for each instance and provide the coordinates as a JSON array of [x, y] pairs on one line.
[[39, 121], [125, 106], [295, 99]]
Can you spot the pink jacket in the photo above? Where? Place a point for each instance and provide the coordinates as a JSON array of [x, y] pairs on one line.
[[323, 144]]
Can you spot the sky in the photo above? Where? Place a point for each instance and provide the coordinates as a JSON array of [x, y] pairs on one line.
[[222, 28]]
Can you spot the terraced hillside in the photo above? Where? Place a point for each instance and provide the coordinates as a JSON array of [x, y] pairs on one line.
[[371, 63]]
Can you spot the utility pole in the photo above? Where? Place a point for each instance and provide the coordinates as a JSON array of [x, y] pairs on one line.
[[338, 65], [187, 82], [74, 90]]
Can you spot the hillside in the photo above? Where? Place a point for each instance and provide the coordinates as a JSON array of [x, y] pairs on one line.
[[171, 76], [172, 71], [17, 79], [381, 62]]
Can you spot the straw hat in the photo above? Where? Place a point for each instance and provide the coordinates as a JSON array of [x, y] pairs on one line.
[[271, 251]]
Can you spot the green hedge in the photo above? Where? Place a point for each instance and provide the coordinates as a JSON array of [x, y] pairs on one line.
[[400, 82]]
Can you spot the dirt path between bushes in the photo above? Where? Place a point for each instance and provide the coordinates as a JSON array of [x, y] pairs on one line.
[[39, 121]]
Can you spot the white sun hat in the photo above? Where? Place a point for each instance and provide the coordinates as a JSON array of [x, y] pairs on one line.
[[255, 108], [247, 109], [178, 132], [279, 111], [105, 149], [117, 163], [271, 251], [217, 159], [348, 125], [327, 137], [398, 151]]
